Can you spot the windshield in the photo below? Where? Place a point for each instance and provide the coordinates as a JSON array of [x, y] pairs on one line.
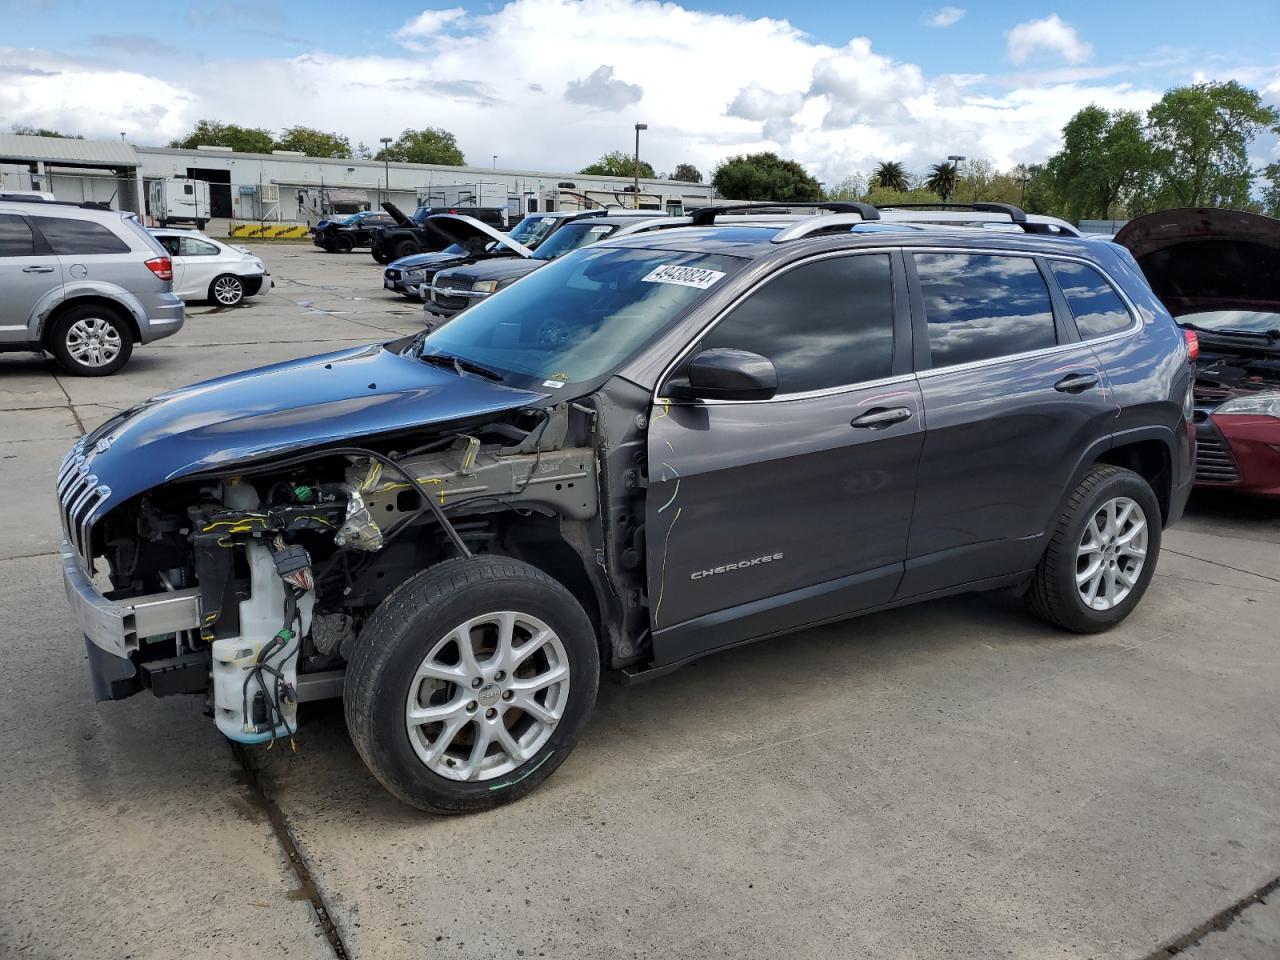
[[572, 236], [581, 316], [531, 230], [354, 218], [1234, 321]]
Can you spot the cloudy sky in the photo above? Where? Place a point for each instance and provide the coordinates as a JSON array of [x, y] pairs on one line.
[[552, 84]]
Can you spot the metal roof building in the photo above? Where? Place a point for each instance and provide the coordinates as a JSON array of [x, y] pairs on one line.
[[43, 163]]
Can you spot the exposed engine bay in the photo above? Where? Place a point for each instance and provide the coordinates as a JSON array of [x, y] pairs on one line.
[[287, 557], [1224, 371]]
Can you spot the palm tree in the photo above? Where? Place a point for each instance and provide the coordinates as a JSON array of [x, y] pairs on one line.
[[891, 175], [942, 180]]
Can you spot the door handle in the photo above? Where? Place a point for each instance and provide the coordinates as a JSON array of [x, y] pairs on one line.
[[877, 418], [37, 269], [1076, 382]]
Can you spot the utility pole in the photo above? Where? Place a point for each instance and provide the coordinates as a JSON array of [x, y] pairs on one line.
[[386, 165], [639, 127], [957, 160]]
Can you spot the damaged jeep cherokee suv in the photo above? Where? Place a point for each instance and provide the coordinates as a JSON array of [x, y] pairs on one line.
[[650, 449]]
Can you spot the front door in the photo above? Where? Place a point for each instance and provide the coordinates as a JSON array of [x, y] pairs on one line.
[[763, 516], [28, 270]]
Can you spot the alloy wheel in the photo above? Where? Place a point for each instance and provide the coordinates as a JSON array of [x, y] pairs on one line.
[[1111, 554], [93, 341], [487, 696], [228, 291]]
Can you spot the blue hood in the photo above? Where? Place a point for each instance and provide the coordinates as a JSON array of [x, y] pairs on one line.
[[424, 260], [350, 396]]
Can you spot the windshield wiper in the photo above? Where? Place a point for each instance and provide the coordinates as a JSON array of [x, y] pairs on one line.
[[459, 365], [1271, 336]]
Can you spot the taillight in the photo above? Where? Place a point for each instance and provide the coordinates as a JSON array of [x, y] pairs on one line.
[[1193, 343], [162, 267]]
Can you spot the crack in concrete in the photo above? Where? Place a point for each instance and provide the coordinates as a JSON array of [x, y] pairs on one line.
[[1225, 566], [53, 371], [1215, 924], [309, 891]]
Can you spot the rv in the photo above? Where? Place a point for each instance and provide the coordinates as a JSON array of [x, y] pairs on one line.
[[178, 201]]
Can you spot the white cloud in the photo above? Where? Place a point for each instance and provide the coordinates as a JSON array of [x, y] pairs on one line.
[[420, 31], [945, 17], [498, 81], [1052, 34]]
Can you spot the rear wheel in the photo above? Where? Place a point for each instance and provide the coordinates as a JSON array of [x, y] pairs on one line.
[[342, 244], [91, 341], [1102, 553], [226, 290], [405, 248], [471, 683]]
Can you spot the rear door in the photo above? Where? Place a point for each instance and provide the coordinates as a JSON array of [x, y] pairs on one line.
[[200, 262], [1013, 402], [766, 515], [28, 271], [89, 251]]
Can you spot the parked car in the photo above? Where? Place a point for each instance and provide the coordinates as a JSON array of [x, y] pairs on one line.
[[208, 269], [455, 289], [83, 283], [652, 448], [357, 230], [410, 235], [1218, 272]]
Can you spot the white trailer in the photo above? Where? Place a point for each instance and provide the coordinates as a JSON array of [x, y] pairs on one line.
[[178, 200]]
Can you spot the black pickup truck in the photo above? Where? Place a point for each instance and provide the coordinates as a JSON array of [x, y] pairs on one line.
[[409, 236]]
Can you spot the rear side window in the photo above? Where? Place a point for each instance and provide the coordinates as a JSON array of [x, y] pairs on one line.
[[15, 237], [79, 236], [983, 306], [824, 324], [1096, 306], [191, 247]]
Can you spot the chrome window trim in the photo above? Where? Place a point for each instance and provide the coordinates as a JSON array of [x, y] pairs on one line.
[[733, 305]]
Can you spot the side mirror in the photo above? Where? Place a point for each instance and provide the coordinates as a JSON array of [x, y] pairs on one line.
[[723, 373]]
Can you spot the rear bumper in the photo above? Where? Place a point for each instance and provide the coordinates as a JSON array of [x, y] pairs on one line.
[[165, 317]]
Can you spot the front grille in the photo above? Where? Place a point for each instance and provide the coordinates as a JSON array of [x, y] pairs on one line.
[[1214, 463], [79, 495], [393, 275], [439, 298]]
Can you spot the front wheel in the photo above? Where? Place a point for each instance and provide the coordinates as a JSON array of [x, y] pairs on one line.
[[471, 683], [226, 290], [1101, 554], [343, 245]]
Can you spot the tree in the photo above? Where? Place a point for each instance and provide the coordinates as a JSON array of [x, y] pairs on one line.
[[362, 151], [1200, 136], [891, 175], [215, 133], [883, 197], [1105, 162], [428, 145], [764, 176], [24, 131], [942, 180], [619, 163], [314, 143], [1271, 192], [852, 187], [687, 172]]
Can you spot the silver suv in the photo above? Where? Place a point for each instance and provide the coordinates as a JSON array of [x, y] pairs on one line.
[[83, 283]]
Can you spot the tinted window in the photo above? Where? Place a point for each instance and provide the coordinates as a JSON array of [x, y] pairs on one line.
[[825, 324], [15, 237], [1097, 308], [79, 236], [981, 306]]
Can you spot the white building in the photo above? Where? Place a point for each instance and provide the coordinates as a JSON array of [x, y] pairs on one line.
[[289, 187]]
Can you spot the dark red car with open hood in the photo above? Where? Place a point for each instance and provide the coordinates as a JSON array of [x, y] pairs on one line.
[[1218, 272]]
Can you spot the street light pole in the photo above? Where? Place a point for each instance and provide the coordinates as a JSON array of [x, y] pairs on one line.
[[386, 165], [957, 160], [639, 127]]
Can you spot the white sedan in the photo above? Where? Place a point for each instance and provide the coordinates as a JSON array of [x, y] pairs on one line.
[[207, 269]]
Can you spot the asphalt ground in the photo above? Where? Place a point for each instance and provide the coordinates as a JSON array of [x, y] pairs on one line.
[[950, 780]]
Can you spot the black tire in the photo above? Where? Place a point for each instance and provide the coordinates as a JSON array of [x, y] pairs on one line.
[[342, 244], [103, 323], [226, 290], [405, 248], [401, 633], [326, 246], [1054, 595], [379, 256]]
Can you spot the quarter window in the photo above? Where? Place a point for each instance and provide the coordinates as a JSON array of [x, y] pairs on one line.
[[983, 306], [68, 237], [15, 237], [1098, 309], [824, 324], [191, 247]]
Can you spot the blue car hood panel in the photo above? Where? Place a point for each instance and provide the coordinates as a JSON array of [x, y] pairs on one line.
[[345, 396]]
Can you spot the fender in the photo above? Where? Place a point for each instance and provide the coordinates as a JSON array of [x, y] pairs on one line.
[[78, 289]]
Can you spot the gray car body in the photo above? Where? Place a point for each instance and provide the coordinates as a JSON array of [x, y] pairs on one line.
[[37, 288]]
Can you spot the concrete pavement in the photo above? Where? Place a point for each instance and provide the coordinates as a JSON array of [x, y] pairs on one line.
[[954, 779]]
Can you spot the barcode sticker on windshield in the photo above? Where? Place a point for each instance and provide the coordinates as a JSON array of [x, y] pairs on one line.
[[599, 229], [683, 276]]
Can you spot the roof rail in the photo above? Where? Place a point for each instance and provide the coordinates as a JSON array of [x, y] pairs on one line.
[[1015, 214], [706, 216], [99, 205]]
